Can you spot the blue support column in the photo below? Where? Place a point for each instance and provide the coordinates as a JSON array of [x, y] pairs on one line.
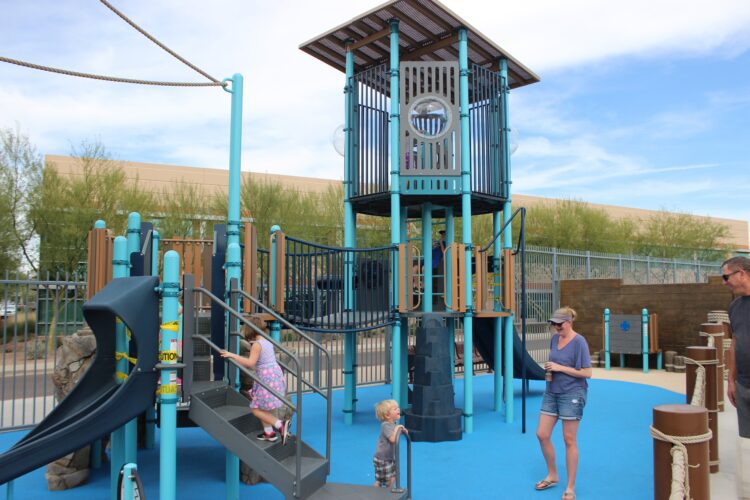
[[498, 322], [508, 330], [117, 441], [150, 437], [399, 377], [350, 341], [450, 237], [233, 267], [168, 388], [427, 257], [644, 333], [233, 236], [606, 339], [463, 65], [404, 322], [133, 246]]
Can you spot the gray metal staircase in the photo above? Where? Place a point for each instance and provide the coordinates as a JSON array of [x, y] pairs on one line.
[[224, 414], [294, 468]]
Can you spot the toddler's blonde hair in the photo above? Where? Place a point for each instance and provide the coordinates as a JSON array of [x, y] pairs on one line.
[[383, 407]]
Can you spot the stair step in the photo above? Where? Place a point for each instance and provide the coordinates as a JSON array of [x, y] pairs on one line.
[[232, 412], [336, 491]]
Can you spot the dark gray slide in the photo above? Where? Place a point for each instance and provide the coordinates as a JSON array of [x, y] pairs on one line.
[[484, 341], [98, 405]]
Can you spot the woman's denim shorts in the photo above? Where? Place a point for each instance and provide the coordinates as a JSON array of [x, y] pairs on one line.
[[566, 406]]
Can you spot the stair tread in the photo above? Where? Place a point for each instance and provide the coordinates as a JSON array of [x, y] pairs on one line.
[[230, 412], [354, 492], [308, 463]]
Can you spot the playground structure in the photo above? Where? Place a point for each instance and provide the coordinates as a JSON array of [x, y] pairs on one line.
[[622, 335], [427, 141]]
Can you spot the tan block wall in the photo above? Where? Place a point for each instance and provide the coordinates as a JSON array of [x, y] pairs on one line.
[[681, 308]]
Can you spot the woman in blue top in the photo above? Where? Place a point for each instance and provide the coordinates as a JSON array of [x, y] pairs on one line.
[[569, 366]]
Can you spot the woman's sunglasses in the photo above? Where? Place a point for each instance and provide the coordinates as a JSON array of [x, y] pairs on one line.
[[552, 323]]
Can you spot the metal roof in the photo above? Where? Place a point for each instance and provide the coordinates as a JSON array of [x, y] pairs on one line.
[[428, 31]]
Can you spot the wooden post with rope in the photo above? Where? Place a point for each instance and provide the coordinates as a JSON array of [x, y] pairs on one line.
[[681, 436], [701, 376], [712, 334]]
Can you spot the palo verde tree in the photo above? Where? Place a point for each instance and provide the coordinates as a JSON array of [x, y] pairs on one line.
[[20, 181], [66, 207], [681, 236]]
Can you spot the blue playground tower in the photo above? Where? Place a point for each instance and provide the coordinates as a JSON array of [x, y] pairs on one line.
[[427, 136]]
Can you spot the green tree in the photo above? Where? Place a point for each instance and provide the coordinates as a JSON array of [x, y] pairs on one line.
[[575, 225], [681, 236], [67, 207], [20, 182], [183, 210]]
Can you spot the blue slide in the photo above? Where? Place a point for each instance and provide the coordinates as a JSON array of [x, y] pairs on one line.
[[98, 405], [484, 341]]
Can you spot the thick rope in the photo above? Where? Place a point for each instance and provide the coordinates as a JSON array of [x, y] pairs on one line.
[[699, 391], [680, 488], [106, 78], [718, 317], [161, 45]]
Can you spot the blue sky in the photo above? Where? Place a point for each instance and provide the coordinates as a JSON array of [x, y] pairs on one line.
[[642, 103]]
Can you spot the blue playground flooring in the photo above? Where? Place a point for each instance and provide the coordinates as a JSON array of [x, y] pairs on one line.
[[496, 461]]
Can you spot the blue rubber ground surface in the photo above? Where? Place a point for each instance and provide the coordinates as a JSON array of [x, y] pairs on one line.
[[496, 461]]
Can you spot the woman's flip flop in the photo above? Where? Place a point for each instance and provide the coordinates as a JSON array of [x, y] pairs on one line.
[[544, 484]]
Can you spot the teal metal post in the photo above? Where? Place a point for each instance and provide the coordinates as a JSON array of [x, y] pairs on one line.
[[606, 339], [463, 65], [96, 447], [450, 237], [498, 322], [170, 291], [128, 490], [399, 377], [150, 437], [404, 322], [233, 234], [644, 333], [117, 457], [508, 330], [133, 246], [233, 272], [350, 341], [427, 257]]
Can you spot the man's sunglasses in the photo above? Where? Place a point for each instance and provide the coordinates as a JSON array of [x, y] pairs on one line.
[[725, 277]]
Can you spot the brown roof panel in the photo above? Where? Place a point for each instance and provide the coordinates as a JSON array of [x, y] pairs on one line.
[[427, 30]]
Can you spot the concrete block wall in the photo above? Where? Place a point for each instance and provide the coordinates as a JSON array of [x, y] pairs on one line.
[[681, 307]]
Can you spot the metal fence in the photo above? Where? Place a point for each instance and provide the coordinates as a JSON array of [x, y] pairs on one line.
[[32, 309], [35, 315]]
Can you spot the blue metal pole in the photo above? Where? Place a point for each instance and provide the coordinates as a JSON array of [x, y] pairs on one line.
[[96, 447], [399, 376], [508, 330], [150, 437], [117, 457], [427, 256], [606, 339], [133, 246], [644, 333], [450, 237], [350, 342], [498, 322], [463, 65], [405, 265], [128, 484], [235, 157], [170, 291], [233, 269]]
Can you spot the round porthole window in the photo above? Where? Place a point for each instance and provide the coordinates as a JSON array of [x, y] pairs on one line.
[[429, 117]]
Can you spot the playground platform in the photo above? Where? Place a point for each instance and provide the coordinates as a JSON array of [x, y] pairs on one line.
[[496, 461]]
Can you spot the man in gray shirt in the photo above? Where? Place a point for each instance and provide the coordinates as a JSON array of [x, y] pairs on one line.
[[736, 275]]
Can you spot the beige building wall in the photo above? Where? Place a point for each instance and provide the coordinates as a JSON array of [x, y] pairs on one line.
[[156, 177]]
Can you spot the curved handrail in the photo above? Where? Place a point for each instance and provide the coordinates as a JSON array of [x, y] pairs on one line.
[[298, 408], [522, 210], [339, 249], [397, 488]]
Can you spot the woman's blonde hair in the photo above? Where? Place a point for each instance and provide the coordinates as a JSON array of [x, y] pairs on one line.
[[383, 407]]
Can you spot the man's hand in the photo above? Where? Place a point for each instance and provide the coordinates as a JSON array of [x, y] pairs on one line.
[[731, 391]]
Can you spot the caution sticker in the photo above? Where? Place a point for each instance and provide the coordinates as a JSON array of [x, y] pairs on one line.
[[168, 389], [172, 326], [168, 356]]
